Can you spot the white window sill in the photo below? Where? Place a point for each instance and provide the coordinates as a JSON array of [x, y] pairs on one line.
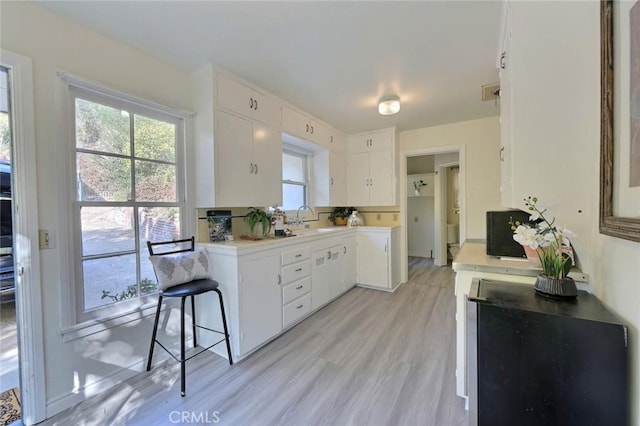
[[106, 322]]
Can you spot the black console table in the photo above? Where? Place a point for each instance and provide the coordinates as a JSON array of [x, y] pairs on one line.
[[540, 361]]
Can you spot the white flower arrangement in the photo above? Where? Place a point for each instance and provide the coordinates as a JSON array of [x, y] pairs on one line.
[[550, 242]]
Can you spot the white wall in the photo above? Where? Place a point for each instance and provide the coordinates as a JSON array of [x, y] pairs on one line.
[[481, 139], [556, 95], [53, 42]]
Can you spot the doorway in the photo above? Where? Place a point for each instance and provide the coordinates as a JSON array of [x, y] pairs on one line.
[[9, 377], [23, 213], [440, 210]]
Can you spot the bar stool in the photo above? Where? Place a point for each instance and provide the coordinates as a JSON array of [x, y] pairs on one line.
[[182, 272]]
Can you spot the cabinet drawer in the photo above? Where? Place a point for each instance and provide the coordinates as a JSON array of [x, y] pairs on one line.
[[288, 257], [295, 272], [296, 310], [295, 290]]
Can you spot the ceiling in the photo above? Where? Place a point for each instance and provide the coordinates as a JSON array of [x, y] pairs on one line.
[[331, 59]]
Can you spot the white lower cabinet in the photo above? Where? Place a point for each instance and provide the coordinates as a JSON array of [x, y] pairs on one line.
[[350, 269], [296, 281], [260, 300], [378, 260], [269, 290]]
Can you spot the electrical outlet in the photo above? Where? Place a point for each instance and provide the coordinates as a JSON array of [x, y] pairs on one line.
[[45, 239]]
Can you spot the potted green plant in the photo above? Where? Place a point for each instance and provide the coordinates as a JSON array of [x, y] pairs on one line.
[[256, 216], [340, 215], [552, 245]]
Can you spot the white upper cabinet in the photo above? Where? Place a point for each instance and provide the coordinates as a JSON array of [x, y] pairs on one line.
[[329, 178], [237, 154], [371, 169], [237, 97], [372, 141], [302, 125]]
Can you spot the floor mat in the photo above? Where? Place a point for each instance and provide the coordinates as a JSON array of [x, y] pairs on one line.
[[10, 409]]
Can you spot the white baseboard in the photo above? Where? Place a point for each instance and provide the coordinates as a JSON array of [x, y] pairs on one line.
[[414, 253]]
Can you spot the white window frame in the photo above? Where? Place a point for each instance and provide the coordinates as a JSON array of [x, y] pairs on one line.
[[76, 322], [298, 152]]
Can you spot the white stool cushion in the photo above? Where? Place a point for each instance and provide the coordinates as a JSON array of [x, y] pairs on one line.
[[180, 268]]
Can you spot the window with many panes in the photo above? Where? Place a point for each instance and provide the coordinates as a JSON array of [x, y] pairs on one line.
[[128, 191], [294, 180]]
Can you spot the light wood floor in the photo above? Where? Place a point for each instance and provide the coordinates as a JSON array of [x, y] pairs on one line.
[[369, 358]]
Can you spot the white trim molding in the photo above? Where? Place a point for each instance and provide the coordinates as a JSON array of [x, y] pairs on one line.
[[26, 252]]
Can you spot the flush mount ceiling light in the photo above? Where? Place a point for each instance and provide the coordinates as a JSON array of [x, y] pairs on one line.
[[389, 105]]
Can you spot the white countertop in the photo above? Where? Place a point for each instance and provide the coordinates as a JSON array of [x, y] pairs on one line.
[[473, 257], [240, 246]]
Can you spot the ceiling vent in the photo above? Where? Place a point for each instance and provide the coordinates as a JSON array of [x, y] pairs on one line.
[[491, 91]]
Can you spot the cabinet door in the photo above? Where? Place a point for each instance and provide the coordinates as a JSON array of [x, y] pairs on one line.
[[337, 141], [266, 109], [234, 161], [382, 179], [260, 301], [295, 123], [358, 179], [337, 178], [359, 143], [319, 133], [234, 96], [267, 158], [320, 278], [373, 259], [336, 263], [350, 269]]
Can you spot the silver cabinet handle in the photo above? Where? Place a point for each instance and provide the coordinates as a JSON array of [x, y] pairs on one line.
[[299, 269], [329, 254], [279, 279], [502, 154], [331, 139], [256, 172], [251, 169], [299, 255], [307, 131], [255, 104], [385, 248], [311, 129], [299, 306], [331, 180], [299, 287], [345, 249]]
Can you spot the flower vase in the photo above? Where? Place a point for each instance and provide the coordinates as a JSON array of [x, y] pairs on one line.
[[556, 287], [532, 256], [417, 192]]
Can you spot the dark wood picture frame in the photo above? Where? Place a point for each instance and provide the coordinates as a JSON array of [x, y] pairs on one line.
[[616, 226]]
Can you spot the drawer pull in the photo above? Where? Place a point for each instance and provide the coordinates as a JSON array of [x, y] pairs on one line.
[[299, 269], [299, 306], [299, 287], [298, 255]]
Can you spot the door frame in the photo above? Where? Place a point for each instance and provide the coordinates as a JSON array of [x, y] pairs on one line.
[[25, 229], [404, 240], [440, 216]]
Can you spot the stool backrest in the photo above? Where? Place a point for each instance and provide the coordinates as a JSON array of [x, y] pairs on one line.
[[160, 248]]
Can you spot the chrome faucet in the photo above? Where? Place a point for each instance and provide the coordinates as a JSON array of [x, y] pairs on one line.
[[303, 207]]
